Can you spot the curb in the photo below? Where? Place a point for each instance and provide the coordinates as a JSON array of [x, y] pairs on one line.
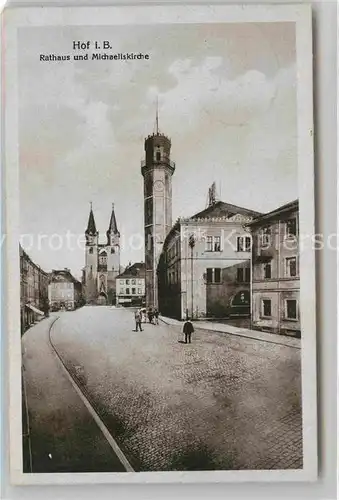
[[238, 334]]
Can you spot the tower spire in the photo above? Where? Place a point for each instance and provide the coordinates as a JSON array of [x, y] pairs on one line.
[[113, 227], [91, 228]]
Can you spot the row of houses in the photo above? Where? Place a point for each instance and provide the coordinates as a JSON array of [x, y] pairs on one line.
[[42, 292], [33, 291], [227, 261]]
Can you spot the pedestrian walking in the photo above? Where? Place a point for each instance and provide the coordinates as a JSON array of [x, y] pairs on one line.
[[137, 317], [156, 316], [188, 329], [143, 315]]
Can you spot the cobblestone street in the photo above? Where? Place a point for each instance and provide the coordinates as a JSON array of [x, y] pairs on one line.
[[223, 402]]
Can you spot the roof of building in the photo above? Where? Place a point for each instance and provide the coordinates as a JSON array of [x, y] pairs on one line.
[[218, 210], [276, 213], [136, 270], [63, 275], [91, 228], [24, 255], [222, 209]]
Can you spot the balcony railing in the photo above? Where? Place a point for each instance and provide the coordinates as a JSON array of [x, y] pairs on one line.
[[167, 162]]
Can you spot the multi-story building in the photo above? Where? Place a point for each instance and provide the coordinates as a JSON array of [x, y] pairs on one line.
[[204, 269], [64, 291], [102, 262], [33, 291], [276, 282], [157, 170], [130, 286]]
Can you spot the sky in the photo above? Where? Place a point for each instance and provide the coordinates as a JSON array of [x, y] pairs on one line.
[[227, 99]]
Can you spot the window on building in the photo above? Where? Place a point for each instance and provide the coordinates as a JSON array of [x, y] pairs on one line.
[[217, 275], [266, 308], [127, 282], [209, 244], [291, 267], [139, 282], [267, 270], [91, 250], [266, 236], [240, 274], [133, 291], [139, 291], [122, 291], [158, 156], [122, 282], [112, 250], [291, 309], [217, 243], [133, 282], [213, 275], [247, 274], [127, 291], [291, 227], [243, 243]]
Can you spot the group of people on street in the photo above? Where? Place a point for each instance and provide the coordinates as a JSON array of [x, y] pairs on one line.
[[152, 314], [140, 316]]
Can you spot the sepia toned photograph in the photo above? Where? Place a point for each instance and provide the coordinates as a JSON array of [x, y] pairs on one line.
[[164, 303]]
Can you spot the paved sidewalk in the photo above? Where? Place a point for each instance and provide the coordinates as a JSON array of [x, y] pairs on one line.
[[63, 435], [241, 332]]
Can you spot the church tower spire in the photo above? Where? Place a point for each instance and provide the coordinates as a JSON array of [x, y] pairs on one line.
[[112, 228], [91, 228]]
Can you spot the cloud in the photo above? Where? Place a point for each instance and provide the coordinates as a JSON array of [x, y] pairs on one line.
[[204, 93], [226, 98]]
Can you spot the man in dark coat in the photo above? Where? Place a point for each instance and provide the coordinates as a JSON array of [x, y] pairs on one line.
[[188, 329], [137, 317]]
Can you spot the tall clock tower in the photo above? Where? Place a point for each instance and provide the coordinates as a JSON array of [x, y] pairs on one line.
[[157, 170]]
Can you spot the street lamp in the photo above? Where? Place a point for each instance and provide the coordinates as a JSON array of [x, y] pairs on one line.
[[191, 243], [248, 230]]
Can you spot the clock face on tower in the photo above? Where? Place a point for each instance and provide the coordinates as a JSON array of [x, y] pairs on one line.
[[158, 186]]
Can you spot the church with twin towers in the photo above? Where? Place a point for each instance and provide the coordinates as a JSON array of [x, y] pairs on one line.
[[102, 260]]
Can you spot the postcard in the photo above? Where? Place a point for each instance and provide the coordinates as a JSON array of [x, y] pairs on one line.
[[160, 244]]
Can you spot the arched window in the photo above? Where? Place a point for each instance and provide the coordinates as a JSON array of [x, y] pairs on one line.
[[91, 250], [103, 258]]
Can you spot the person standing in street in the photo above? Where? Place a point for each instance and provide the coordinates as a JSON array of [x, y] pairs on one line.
[[138, 318], [150, 315], [156, 316], [188, 329]]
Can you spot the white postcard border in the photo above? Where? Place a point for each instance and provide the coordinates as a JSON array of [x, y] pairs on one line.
[[89, 16]]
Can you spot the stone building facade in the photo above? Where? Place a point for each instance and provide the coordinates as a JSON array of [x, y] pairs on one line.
[[102, 263], [33, 291], [64, 291], [276, 280], [157, 170], [130, 287], [204, 268]]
